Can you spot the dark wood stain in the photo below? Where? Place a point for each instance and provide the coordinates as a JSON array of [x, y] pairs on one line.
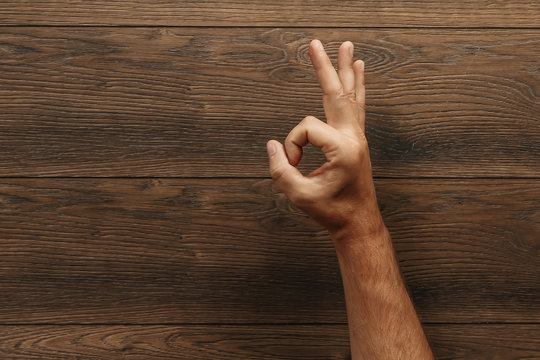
[[160, 101], [236, 251], [136, 217], [250, 342], [349, 13]]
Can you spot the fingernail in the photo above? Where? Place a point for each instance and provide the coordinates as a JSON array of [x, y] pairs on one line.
[[361, 64], [318, 44], [270, 148], [351, 49]]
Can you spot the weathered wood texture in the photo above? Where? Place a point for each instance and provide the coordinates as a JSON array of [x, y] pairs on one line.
[[348, 13], [226, 268], [250, 342], [203, 101], [235, 251]]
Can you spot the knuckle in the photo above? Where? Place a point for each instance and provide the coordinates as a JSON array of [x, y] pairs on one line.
[[277, 172], [357, 148], [349, 95], [329, 93], [308, 120], [353, 148], [332, 91], [288, 140]]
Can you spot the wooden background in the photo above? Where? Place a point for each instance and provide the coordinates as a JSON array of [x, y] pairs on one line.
[[137, 220]]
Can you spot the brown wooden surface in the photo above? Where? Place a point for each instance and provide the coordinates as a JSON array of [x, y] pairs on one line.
[[235, 251], [125, 232], [250, 342], [349, 13], [203, 101]]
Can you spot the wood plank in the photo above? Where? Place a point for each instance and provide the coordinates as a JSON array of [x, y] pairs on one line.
[[348, 13], [169, 102], [171, 250], [251, 342]]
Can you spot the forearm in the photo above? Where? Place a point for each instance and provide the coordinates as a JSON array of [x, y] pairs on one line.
[[382, 321], [340, 196]]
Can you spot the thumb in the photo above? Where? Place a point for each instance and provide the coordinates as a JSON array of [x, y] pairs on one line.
[[286, 176]]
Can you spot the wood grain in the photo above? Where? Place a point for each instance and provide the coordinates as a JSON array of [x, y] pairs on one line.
[[235, 251], [348, 13], [192, 102], [251, 342]]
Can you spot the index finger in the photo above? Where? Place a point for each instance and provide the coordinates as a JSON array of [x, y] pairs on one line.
[[314, 131], [327, 75]]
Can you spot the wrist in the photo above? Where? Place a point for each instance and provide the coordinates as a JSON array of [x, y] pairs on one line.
[[363, 227]]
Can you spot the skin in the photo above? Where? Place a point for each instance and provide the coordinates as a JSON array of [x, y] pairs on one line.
[[340, 195]]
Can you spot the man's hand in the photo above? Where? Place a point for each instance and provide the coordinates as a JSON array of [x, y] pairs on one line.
[[341, 191], [340, 195]]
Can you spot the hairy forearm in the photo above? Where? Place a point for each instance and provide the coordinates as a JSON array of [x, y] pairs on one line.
[[382, 320], [340, 195]]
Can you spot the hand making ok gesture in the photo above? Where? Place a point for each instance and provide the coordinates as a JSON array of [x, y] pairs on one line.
[[340, 193]]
